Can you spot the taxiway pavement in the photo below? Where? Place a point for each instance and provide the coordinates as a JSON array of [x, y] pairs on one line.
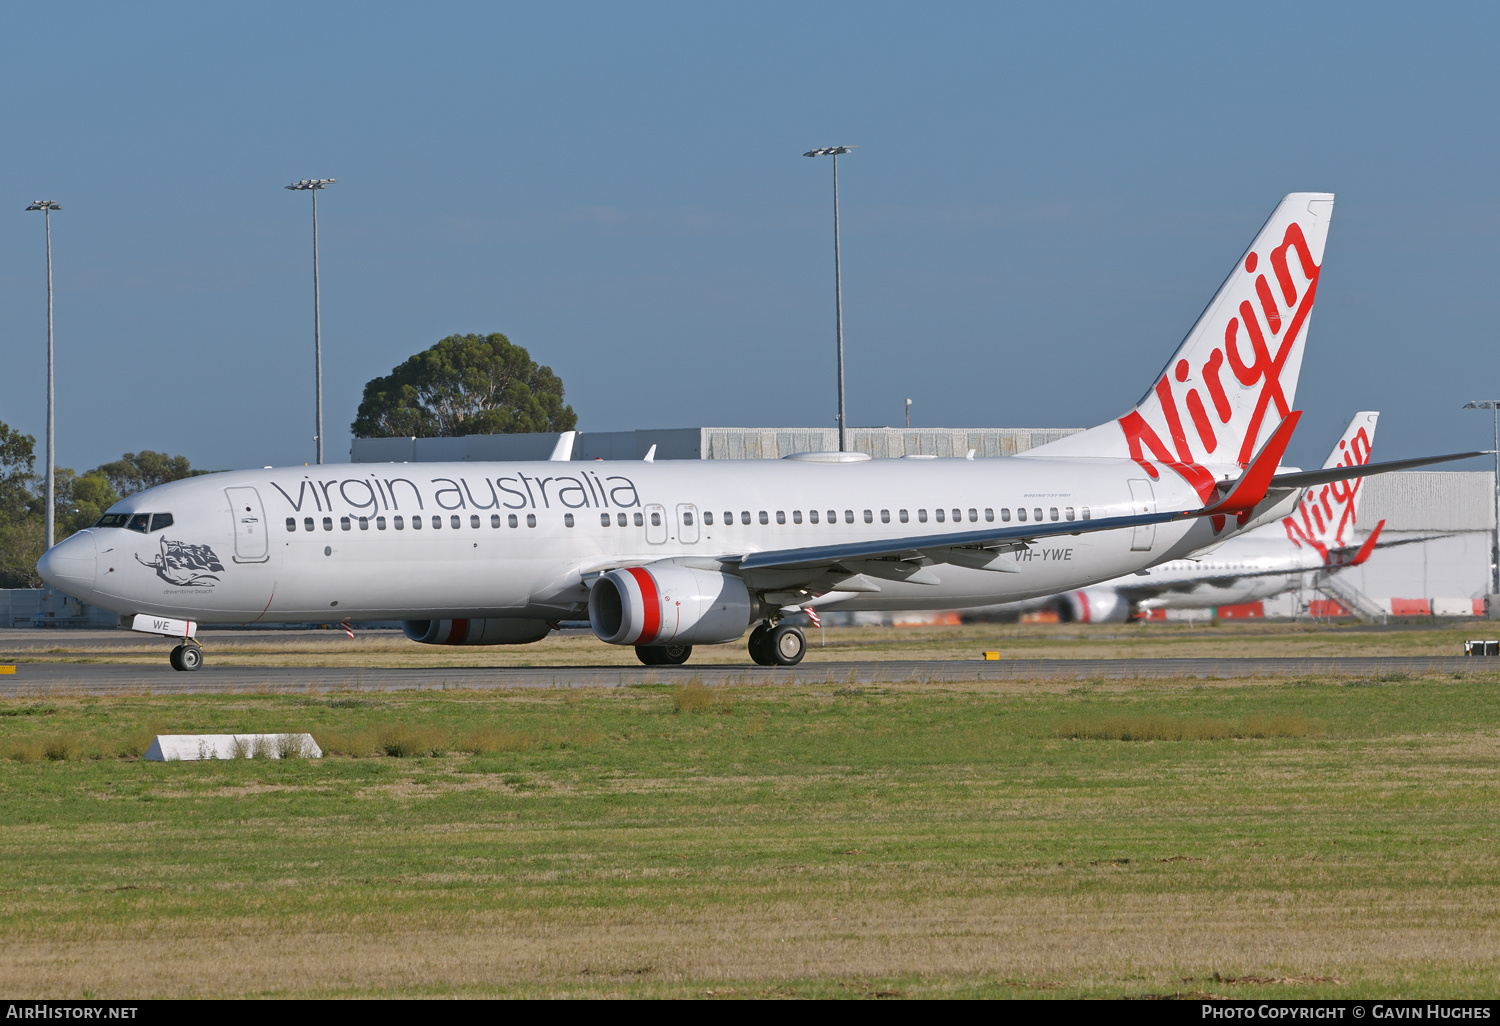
[[113, 678]]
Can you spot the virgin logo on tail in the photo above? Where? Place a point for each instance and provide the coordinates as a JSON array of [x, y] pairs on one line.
[[1325, 517], [1213, 397]]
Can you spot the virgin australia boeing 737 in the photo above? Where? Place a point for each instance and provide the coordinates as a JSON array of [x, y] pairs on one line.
[[664, 556]]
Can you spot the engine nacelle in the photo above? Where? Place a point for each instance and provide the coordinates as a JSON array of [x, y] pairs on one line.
[[1093, 605], [476, 632], [668, 604]]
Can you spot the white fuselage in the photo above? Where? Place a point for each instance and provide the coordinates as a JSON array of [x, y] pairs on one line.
[[520, 540]]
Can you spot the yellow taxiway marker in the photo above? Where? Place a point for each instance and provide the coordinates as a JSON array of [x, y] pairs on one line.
[[992, 655], [7, 669]]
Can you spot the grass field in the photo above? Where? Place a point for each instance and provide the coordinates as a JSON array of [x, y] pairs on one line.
[[1020, 641], [1245, 838]]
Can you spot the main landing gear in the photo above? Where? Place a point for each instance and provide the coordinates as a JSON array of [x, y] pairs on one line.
[[777, 644], [663, 655], [186, 657]]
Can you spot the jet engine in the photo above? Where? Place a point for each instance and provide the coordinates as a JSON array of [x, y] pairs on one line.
[[476, 632], [668, 604], [1093, 605]]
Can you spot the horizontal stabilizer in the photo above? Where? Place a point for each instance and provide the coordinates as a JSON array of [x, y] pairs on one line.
[[1308, 478]]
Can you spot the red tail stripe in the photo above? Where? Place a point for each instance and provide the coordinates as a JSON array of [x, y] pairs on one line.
[[650, 602]]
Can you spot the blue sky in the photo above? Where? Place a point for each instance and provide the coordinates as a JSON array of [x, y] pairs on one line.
[[1043, 199]]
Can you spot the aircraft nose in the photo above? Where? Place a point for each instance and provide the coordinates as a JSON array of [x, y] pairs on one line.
[[69, 566]]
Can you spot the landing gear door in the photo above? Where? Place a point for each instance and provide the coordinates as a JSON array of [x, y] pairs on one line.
[[656, 524], [687, 523], [251, 541], [1142, 502]]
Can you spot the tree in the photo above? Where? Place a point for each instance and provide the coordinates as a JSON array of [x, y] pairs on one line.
[[81, 499], [465, 385], [17, 474], [137, 471]]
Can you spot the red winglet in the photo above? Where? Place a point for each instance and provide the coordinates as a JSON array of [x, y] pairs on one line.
[[1254, 482], [1368, 547]]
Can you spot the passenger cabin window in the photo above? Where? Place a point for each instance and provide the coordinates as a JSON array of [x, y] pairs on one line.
[[567, 520], [364, 523], [848, 516], [921, 516], [939, 514], [1005, 514], [603, 519], [973, 515], [869, 517], [1068, 512], [328, 523], [1037, 513], [380, 523], [764, 518], [1021, 514], [307, 523], [399, 522], [1052, 512], [796, 516], [655, 519], [345, 524], [516, 523], [291, 523], [640, 521], [781, 516], [531, 520], [495, 519], [474, 520], [416, 523], [1085, 512], [833, 516], [121, 519], [885, 516], [905, 518], [812, 516], [745, 517], [708, 518], [989, 515], [620, 521], [958, 515], [140, 522]]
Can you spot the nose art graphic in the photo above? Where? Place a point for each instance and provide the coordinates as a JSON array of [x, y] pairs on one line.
[[69, 565], [186, 566]]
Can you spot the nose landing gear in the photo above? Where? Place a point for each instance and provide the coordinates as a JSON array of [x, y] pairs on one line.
[[778, 644], [186, 657]]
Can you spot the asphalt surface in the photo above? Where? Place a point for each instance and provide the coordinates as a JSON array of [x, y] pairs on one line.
[[106, 678]]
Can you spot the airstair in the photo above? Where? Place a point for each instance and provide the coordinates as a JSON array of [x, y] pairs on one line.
[[1344, 592]]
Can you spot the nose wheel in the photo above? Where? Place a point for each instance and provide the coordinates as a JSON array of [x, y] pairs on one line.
[[777, 645], [186, 657]]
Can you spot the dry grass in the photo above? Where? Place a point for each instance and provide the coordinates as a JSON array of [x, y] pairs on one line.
[[695, 697], [1125, 727]]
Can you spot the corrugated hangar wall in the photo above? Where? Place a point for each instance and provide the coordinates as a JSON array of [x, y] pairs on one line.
[[711, 443], [1455, 512]]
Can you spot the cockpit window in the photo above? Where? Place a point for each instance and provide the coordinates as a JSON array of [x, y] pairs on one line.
[[160, 520], [140, 522], [113, 520]]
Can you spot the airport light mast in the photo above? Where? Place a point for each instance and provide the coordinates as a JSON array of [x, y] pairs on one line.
[[1494, 406], [46, 207], [838, 281], [312, 185]]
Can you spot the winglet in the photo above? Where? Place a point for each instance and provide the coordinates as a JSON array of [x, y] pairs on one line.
[[650, 456], [1368, 547], [563, 450], [1253, 484]]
